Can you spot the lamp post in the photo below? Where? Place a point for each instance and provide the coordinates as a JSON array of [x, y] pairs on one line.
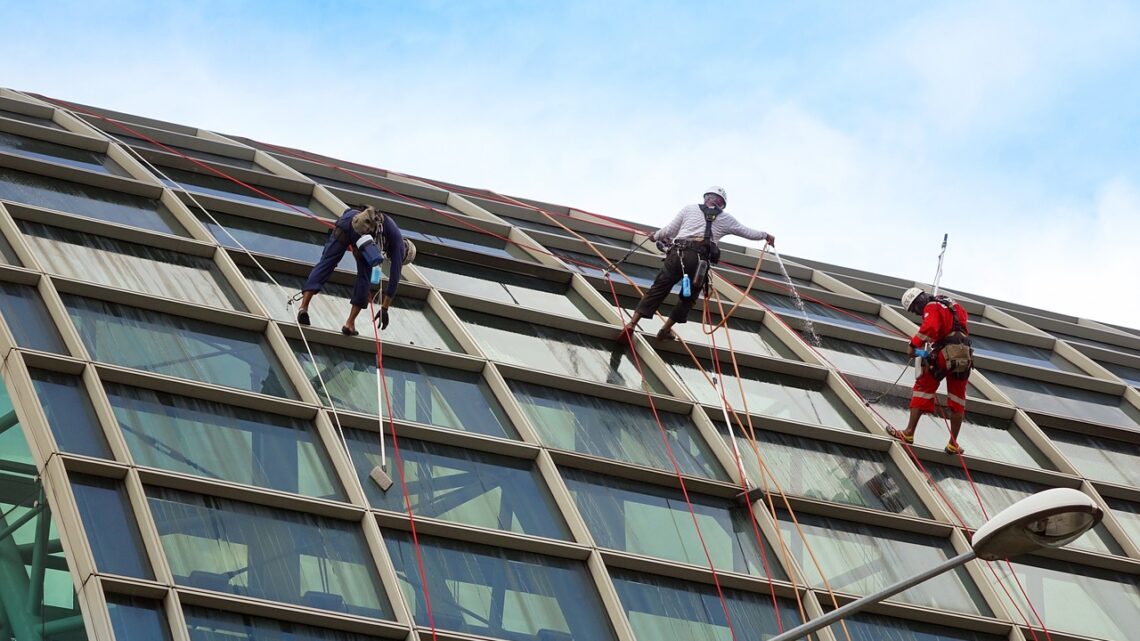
[[1048, 519]]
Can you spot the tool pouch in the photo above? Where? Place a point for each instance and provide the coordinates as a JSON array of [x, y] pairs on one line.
[[959, 360]]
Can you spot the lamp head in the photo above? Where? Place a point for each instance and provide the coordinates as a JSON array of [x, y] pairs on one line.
[[1048, 519]]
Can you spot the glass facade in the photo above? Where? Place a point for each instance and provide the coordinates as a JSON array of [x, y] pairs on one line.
[[214, 501]]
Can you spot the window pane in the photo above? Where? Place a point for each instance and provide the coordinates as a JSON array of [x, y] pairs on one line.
[[218, 441], [268, 553], [110, 525], [998, 493], [861, 359], [413, 322], [128, 139], [615, 430], [359, 188], [768, 393], [70, 414], [556, 350], [261, 237], [137, 619], [418, 392], [1099, 459], [55, 152], [662, 608], [1018, 353], [517, 596], [505, 287], [747, 335], [25, 511], [872, 627], [35, 120], [591, 265], [1050, 398], [456, 484], [28, 318], [818, 312], [829, 471], [214, 625], [1095, 343], [177, 346], [655, 521], [460, 237], [86, 200], [1130, 375], [7, 254], [558, 231], [862, 559], [214, 185], [1072, 598], [983, 436], [130, 266], [1128, 514]]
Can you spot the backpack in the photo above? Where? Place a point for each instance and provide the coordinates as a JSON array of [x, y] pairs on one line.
[[955, 347], [368, 221]]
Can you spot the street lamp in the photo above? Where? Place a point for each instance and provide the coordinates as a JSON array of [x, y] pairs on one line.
[[1047, 519]]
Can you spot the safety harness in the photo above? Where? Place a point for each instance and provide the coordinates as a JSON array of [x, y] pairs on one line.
[[955, 347], [707, 251]]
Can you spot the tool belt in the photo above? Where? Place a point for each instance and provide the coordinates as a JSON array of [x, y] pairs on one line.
[[706, 250]]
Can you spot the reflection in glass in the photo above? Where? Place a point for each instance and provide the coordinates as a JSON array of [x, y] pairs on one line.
[[209, 439], [7, 254], [1051, 398], [1019, 353], [57, 153], [1077, 599], [557, 350], [169, 148], [1100, 459], [418, 392], [873, 627], [462, 237], [983, 436], [110, 526], [260, 237], [767, 393], [215, 185], [746, 335], [517, 596], [592, 265], [461, 485], [86, 200], [1130, 375], [655, 521], [70, 414], [28, 319], [268, 553], [413, 321], [828, 471], [818, 312], [1128, 515], [178, 346], [997, 493], [507, 287], [131, 266], [663, 608], [862, 559], [859, 358], [137, 619], [214, 625], [611, 429]]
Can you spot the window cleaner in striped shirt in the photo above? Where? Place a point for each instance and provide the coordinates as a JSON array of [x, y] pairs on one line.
[[693, 232]]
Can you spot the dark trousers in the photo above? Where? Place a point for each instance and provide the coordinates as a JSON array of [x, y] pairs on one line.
[[330, 258], [677, 263]]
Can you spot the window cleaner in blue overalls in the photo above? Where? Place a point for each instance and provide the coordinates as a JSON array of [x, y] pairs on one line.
[[696, 228], [374, 236]]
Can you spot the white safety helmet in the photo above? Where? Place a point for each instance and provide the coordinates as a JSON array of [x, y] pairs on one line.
[[718, 191], [909, 296], [409, 251]]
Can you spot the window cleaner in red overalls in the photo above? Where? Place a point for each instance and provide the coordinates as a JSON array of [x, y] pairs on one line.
[[943, 343]]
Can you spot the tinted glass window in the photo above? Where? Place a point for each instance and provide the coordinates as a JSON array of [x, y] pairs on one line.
[[818, 312], [27, 318], [137, 619], [1130, 375], [193, 153], [1017, 352], [655, 521], [86, 200], [35, 120], [238, 548], [1050, 398], [215, 185], [456, 484], [55, 152], [261, 237], [69, 412], [439, 396], [592, 265], [214, 625], [110, 525], [861, 359], [461, 237], [131, 266], [1099, 458], [615, 430], [556, 350], [1128, 514], [499, 593], [744, 335], [871, 627], [176, 346], [7, 254], [193, 436]]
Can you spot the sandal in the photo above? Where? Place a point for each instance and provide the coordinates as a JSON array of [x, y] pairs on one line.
[[303, 317], [349, 332], [666, 335], [953, 448], [902, 436]]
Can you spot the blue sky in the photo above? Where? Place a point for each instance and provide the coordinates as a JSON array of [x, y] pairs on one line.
[[858, 133]]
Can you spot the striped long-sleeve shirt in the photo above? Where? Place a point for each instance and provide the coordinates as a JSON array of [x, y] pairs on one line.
[[690, 223]]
